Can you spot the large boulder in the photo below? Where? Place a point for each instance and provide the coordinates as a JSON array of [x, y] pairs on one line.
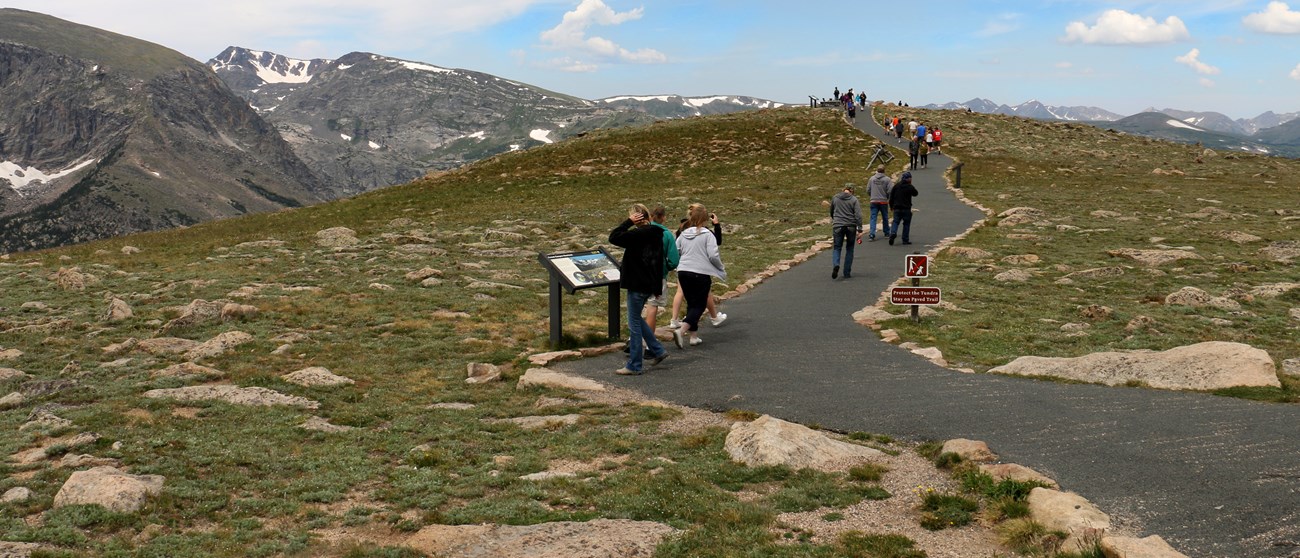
[[197, 312], [1066, 511], [599, 538], [337, 237], [772, 441], [1133, 547], [118, 310], [108, 487], [1203, 366]]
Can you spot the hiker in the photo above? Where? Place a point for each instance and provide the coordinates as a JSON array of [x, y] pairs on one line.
[[642, 277], [846, 219], [924, 150], [862, 100], [658, 216], [911, 126], [900, 201], [700, 262], [898, 129], [913, 151], [938, 140], [852, 110], [920, 132], [929, 138], [878, 187], [715, 317], [837, 92]]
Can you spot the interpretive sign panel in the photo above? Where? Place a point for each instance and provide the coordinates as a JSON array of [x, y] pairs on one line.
[[920, 296], [583, 270]]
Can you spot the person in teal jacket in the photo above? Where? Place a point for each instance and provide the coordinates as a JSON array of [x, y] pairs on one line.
[[659, 215]]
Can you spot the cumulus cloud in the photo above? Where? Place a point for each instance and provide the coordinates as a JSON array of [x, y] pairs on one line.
[[1295, 74], [571, 34], [1118, 27], [1277, 18], [1192, 59]]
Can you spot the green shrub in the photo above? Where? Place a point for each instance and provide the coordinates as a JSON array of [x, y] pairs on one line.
[[941, 511], [855, 543]]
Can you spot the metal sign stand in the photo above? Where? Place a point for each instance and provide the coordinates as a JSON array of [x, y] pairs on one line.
[[564, 281]]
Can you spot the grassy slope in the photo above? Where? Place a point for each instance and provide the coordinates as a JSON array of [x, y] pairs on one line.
[[247, 482], [1070, 171]]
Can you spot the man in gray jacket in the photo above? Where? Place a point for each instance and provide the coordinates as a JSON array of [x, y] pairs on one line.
[[878, 189], [846, 219]]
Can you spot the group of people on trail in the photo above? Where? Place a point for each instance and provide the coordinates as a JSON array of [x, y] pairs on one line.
[[651, 251], [846, 216], [922, 141]]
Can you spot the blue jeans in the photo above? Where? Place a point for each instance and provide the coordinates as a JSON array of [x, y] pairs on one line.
[[642, 335], [904, 217], [844, 235], [883, 210]]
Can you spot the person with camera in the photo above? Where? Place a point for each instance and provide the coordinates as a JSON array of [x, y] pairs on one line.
[[642, 276], [700, 262]]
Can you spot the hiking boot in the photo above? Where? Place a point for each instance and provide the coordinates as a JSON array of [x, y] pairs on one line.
[[718, 320], [835, 272], [891, 239], [656, 360]]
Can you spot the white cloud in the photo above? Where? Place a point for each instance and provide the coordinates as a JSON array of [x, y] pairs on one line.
[[1295, 74], [570, 65], [1207, 83], [1118, 27], [1277, 18], [1192, 59], [571, 34], [1064, 65], [1000, 25]]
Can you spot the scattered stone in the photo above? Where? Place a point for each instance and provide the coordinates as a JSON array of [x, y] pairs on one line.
[[1019, 216], [1022, 259], [128, 250], [548, 475], [16, 495], [933, 354], [599, 538], [970, 450], [197, 312], [1106, 214], [434, 282], [1291, 367], [73, 461], [235, 311], [218, 345], [1132, 547], [1212, 213], [119, 363], [1065, 511], [12, 400], [871, 315], [482, 373], [337, 237], [772, 441], [538, 423], [235, 395], [381, 287], [316, 376], [1016, 472], [318, 424], [118, 310], [10, 354], [108, 487], [1295, 313], [72, 279], [1096, 312], [889, 336], [1237, 236], [545, 359], [1097, 273], [453, 406], [1153, 258], [422, 274], [260, 244], [1140, 322], [1282, 251], [450, 315], [1203, 366], [551, 378], [187, 370], [962, 252], [1274, 290], [7, 374], [35, 306], [163, 345], [117, 348], [45, 421], [1197, 298], [1014, 276]]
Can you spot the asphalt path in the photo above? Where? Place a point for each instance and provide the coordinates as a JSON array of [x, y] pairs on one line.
[[1213, 476]]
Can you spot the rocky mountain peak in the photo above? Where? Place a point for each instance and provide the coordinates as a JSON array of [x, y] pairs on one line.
[[265, 66]]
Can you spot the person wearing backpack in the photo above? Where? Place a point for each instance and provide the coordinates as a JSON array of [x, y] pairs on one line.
[[642, 276], [900, 201]]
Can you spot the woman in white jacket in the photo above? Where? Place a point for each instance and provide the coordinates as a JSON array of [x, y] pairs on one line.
[[700, 262]]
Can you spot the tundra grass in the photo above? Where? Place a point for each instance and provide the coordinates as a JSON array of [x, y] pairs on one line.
[[249, 482]]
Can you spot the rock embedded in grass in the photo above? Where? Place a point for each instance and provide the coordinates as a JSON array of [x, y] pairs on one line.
[[1203, 366], [970, 450], [316, 376], [550, 378], [1016, 472], [108, 487], [1067, 512], [235, 395], [598, 538], [1197, 298], [772, 441], [1154, 258]]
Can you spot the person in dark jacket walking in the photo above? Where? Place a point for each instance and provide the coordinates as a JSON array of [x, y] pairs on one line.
[[900, 201], [846, 219], [913, 152], [642, 276]]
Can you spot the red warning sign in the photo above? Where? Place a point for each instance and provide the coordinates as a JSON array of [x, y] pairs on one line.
[[916, 266], [915, 296]]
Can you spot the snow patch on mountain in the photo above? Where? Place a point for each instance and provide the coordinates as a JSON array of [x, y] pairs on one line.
[[541, 135], [21, 177], [1181, 124]]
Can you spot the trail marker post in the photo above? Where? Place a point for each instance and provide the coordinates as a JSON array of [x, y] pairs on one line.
[[915, 267]]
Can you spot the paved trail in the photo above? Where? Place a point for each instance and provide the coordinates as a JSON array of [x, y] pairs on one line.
[[1214, 476]]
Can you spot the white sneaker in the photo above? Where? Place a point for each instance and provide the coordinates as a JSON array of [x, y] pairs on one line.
[[674, 323], [679, 338], [696, 341], [718, 320]]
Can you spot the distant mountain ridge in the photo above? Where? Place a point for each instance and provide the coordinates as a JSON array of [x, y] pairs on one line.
[[103, 134], [1033, 109], [678, 106]]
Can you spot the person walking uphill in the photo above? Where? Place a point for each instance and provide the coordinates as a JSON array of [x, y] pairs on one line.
[[700, 262], [900, 201], [878, 188], [846, 219], [642, 276]]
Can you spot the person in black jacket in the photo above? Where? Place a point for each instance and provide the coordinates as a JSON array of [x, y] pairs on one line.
[[900, 201], [642, 275]]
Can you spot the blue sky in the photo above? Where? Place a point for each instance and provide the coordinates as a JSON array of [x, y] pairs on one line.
[[1238, 57]]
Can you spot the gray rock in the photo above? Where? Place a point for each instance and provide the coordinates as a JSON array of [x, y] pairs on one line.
[[12, 400], [1282, 251], [235, 311], [970, 450], [197, 312], [599, 538], [17, 549], [453, 406], [44, 421], [1291, 367], [219, 345], [772, 441], [164, 345], [16, 495], [1133, 547], [7, 374], [1154, 258], [235, 395], [551, 378], [538, 423], [1013, 276], [1197, 298], [118, 310], [108, 487], [1203, 366], [316, 376], [1067, 512], [1015, 472], [318, 424], [187, 370], [337, 237]]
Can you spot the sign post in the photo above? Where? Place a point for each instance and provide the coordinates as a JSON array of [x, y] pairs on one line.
[[915, 267], [575, 271]]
